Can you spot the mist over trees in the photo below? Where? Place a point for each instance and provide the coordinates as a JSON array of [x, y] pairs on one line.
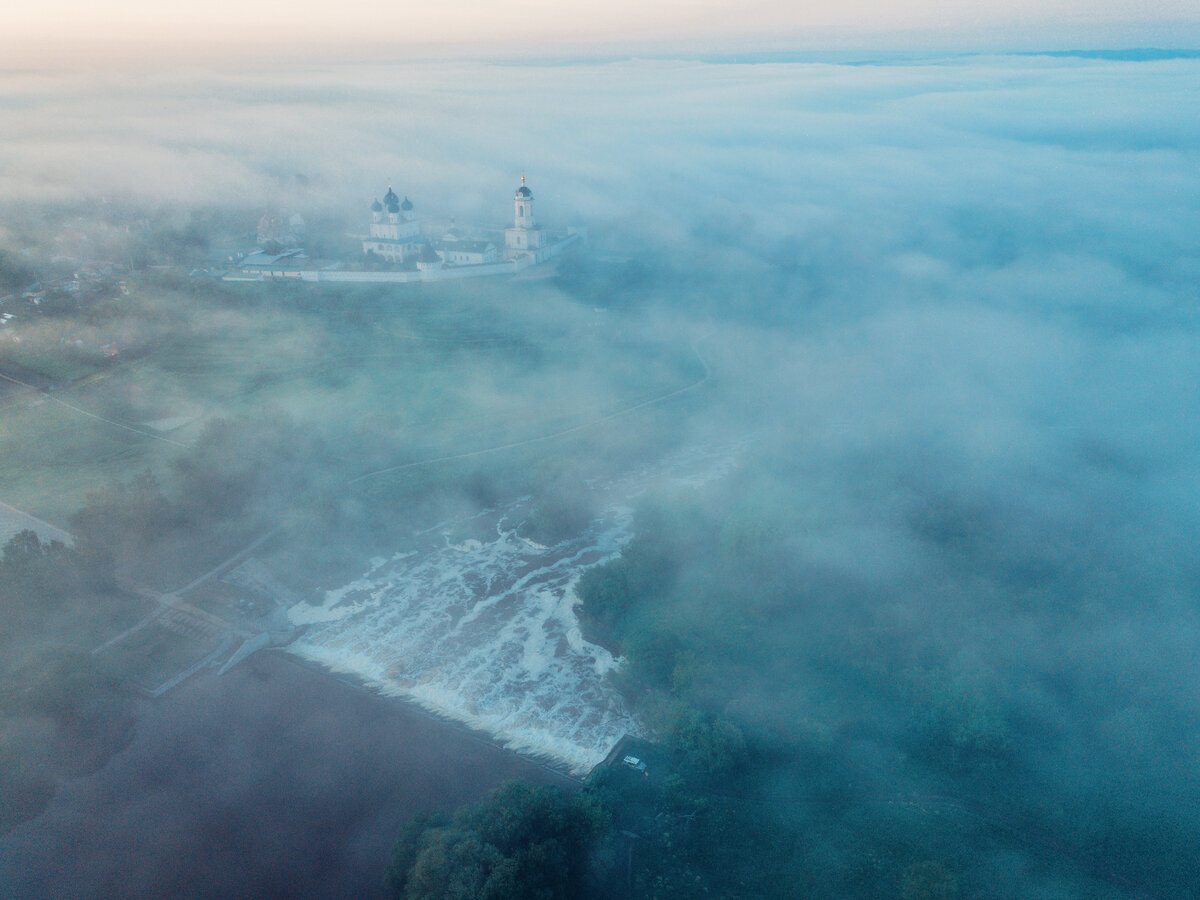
[[522, 842], [930, 634]]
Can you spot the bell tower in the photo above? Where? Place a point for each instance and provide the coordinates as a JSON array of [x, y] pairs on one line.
[[524, 234], [523, 206]]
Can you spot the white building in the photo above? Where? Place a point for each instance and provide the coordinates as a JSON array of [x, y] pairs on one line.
[[277, 229], [468, 253], [456, 249], [395, 234], [525, 235]]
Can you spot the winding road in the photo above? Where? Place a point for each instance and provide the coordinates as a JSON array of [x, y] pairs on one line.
[[662, 398]]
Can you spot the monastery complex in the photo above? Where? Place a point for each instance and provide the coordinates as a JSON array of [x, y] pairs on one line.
[[397, 248]]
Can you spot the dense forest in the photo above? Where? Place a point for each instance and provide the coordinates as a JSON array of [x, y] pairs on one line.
[[799, 744]]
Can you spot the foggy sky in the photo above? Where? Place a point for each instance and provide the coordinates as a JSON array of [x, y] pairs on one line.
[[522, 23], [963, 290], [783, 144]]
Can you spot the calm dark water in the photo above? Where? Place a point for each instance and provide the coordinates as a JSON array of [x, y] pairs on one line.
[[273, 780]]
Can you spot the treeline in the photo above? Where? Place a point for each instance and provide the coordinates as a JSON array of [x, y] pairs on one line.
[[622, 835], [522, 843], [240, 476], [37, 577], [723, 627], [63, 712]]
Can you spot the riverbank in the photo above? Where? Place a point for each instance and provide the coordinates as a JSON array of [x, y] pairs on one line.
[[273, 780]]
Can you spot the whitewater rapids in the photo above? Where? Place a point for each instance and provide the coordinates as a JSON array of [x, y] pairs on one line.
[[484, 631]]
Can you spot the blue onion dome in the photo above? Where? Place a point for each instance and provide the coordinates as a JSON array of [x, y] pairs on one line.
[[390, 199], [376, 206], [524, 193], [406, 205]]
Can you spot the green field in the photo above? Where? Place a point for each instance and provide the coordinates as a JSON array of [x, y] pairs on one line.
[[381, 376]]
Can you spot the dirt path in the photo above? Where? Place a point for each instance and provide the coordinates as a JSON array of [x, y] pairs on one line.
[[83, 412], [662, 398]]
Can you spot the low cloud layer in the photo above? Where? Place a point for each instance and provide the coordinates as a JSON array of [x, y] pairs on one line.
[[955, 300]]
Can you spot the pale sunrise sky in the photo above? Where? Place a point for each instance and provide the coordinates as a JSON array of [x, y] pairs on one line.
[[508, 22]]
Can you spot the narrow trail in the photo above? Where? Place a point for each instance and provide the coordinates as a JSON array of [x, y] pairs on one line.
[[91, 415], [662, 398]]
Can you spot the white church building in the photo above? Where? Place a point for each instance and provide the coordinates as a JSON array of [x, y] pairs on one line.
[[395, 234]]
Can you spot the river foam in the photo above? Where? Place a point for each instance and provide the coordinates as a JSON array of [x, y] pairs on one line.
[[483, 629]]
